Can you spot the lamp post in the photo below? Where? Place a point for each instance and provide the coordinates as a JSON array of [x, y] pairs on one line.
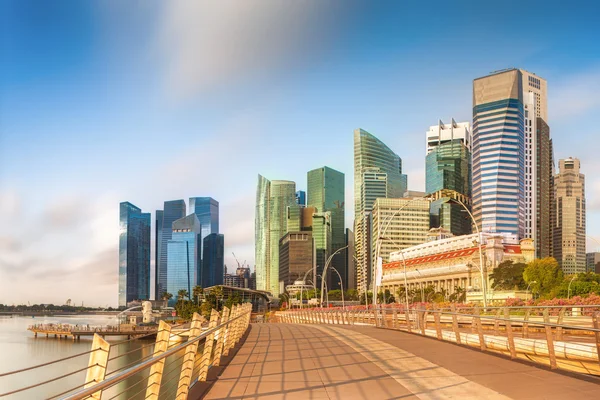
[[342, 286], [325, 270], [381, 236], [569, 289], [364, 281], [301, 286], [421, 285], [527, 290]]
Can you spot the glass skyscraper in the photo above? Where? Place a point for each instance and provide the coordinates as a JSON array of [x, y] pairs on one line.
[[183, 256], [377, 173], [301, 198], [499, 153], [273, 200], [207, 211], [326, 190], [448, 166], [212, 261], [134, 254], [172, 211]]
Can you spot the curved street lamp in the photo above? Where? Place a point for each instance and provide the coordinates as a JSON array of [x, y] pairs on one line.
[[569, 289], [342, 286], [527, 290], [325, 270]]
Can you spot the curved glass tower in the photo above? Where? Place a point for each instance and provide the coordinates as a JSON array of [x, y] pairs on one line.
[[272, 201], [377, 173]]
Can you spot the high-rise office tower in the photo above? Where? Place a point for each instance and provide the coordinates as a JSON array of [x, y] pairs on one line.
[[212, 261], [593, 262], [172, 211], [295, 257], [326, 190], [207, 211], [402, 222], [157, 238], [510, 166], [301, 197], [448, 166], [377, 173], [544, 166], [273, 199], [183, 256], [569, 223], [350, 267], [134, 254], [498, 152]]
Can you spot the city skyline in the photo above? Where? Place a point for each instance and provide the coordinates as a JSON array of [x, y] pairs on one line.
[[84, 127]]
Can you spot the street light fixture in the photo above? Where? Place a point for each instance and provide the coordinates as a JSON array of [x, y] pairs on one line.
[[325, 270], [342, 286], [569, 289]]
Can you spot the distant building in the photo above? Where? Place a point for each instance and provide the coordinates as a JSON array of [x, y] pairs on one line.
[[207, 211], [134, 254], [183, 256], [569, 223], [377, 174], [295, 258], [350, 265], [448, 166], [241, 279], [544, 160], [212, 261], [401, 222], [272, 201], [593, 262], [301, 198], [172, 211], [326, 192]]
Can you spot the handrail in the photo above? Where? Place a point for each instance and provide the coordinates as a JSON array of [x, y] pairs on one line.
[[145, 364]]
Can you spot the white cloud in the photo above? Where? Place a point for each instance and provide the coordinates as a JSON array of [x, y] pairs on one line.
[[209, 43]]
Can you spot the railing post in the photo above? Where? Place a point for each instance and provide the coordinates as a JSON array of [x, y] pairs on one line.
[[187, 367], [497, 322], [156, 371], [97, 364], [230, 331], [208, 346], [509, 334], [559, 329], [394, 316], [408, 323], [477, 319], [221, 337], [526, 324], [596, 323], [436, 319], [422, 316], [549, 340], [455, 323]]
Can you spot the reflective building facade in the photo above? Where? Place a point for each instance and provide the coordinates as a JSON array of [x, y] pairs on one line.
[[377, 173], [134, 254], [207, 211], [212, 261], [326, 190], [273, 199], [183, 256], [172, 211]]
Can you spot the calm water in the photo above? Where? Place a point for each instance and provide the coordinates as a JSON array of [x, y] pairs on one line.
[[20, 349]]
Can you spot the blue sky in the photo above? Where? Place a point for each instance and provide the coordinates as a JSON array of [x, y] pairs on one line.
[[146, 101]]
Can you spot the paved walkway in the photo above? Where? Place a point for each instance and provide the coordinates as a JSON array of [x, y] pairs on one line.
[[285, 361]]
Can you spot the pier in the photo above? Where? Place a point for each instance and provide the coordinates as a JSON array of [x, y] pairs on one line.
[[76, 331]]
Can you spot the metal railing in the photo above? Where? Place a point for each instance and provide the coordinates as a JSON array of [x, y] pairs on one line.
[[534, 335], [155, 377]]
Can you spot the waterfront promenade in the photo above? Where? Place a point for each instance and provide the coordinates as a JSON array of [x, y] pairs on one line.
[[301, 361]]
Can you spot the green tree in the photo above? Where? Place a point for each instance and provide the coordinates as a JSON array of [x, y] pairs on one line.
[[544, 275], [459, 295], [196, 292], [182, 294], [509, 276], [351, 294], [166, 296], [335, 295]]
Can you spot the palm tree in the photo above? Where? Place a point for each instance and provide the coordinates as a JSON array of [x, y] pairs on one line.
[[182, 293], [196, 292], [217, 291], [167, 296]]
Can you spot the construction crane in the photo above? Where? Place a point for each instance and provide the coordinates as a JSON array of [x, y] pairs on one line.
[[236, 260]]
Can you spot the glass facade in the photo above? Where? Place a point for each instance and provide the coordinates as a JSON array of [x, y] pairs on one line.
[[157, 239], [207, 211], [134, 254], [172, 211], [371, 156], [212, 261], [499, 153], [326, 190], [183, 256], [448, 166], [273, 200], [301, 197]]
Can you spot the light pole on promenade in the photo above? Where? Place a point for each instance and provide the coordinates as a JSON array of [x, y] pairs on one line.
[[569, 289], [302, 285], [527, 290], [325, 270], [342, 286]]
